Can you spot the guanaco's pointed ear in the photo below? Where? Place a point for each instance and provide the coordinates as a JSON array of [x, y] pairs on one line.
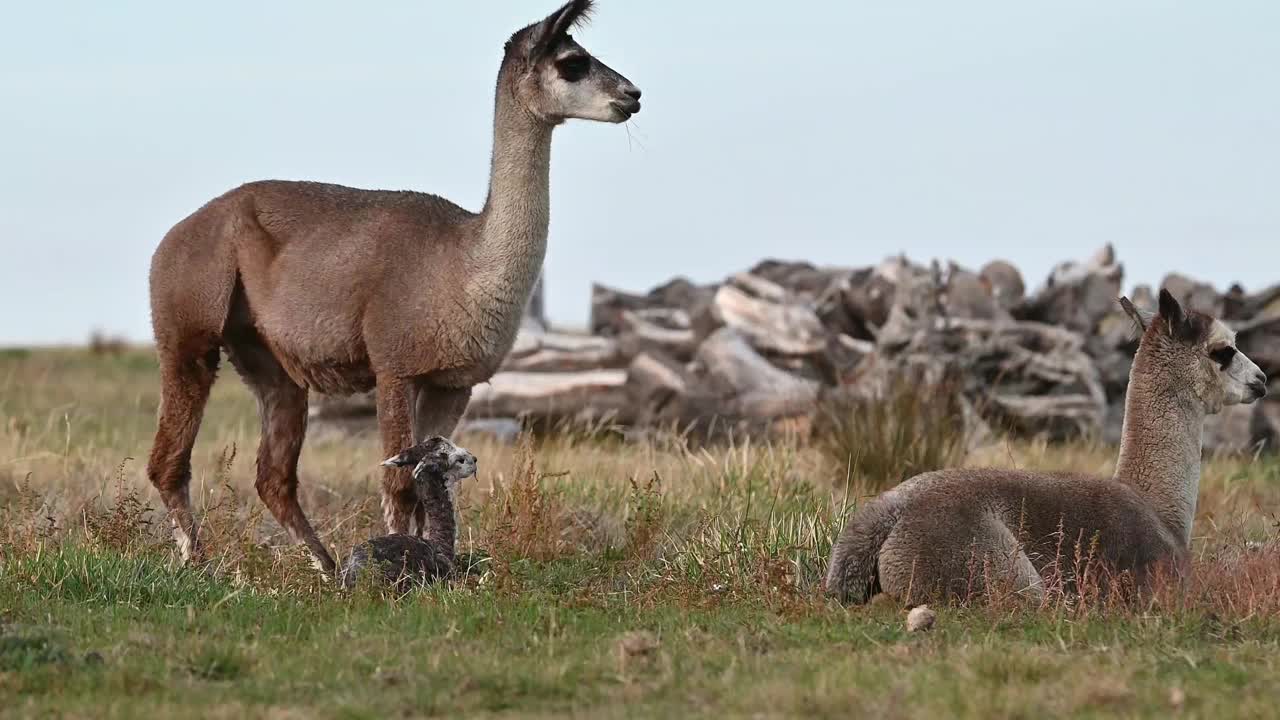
[[1170, 308], [1141, 318], [557, 25], [1187, 327]]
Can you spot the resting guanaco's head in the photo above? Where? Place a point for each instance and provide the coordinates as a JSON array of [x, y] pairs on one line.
[[436, 460], [1194, 356], [555, 78]]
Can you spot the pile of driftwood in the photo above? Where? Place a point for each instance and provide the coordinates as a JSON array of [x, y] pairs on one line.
[[766, 347]]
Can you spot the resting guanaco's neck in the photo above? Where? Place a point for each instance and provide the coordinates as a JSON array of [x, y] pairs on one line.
[[1161, 444]]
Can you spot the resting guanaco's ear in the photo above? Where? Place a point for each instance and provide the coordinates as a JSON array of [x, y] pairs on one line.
[[1141, 318], [1170, 309], [1185, 327]]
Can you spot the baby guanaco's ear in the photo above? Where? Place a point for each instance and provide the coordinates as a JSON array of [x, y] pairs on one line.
[[411, 456], [402, 460]]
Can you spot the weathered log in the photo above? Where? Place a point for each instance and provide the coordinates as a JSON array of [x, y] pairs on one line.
[[1005, 283], [651, 380], [548, 396], [544, 397], [836, 362], [879, 379], [966, 294], [1113, 423], [560, 352], [667, 318], [857, 303], [1028, 377], [1113, 365], [917, 303], [802, 279], [1077, 295], [1071, 272], [504, 431], [1056, 416], [749, 385], [732, 396], [656, 388], [680, 293], [1240, 306], [657, 331], [766, 318], [607, 306]]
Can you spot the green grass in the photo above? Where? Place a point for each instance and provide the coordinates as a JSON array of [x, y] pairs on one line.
[[611, 581], [80, 638]]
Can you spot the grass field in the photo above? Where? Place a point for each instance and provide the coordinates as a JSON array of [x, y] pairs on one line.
[[605, 580]]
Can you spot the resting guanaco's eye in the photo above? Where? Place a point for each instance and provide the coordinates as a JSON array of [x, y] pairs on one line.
[[1223, 356], [574, 67]]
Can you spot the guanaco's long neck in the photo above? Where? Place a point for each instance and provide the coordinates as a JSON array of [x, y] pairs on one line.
[[441, 526], [1160, 446], [513, 225]]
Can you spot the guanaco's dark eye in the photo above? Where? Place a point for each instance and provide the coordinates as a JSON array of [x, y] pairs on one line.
[[1223, 356], [574, 67]]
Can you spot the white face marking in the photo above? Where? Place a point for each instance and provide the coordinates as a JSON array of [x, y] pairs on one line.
[[1237, 382], [1220, 334], [598, 95]]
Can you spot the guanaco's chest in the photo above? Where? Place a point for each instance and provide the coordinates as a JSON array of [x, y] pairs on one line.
[[481, 333]]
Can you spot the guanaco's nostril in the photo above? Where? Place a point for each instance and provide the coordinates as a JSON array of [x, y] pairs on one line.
[[632, 92], [1259, 385]]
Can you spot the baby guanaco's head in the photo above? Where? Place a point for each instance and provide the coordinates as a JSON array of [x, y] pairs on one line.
[[436, 460]]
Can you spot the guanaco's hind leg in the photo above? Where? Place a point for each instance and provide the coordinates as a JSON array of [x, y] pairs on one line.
[[282, 405], [924, 560], [185, 379]]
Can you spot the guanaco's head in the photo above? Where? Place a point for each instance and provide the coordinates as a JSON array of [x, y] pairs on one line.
[[436, 460], [555, 78], [1195, 356]]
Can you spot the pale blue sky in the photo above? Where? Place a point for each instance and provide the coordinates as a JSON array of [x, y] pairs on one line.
[[838, 132]]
